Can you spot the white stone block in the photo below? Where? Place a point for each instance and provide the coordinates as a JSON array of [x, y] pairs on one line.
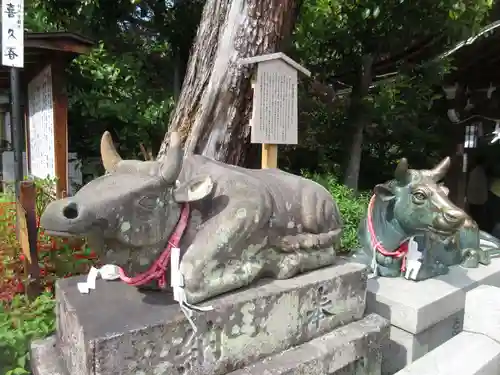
[[482, 311], [405, 347], [465, 354], [423, 314]]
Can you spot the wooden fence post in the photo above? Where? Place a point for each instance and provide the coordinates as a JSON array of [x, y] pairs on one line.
[[28, 236]]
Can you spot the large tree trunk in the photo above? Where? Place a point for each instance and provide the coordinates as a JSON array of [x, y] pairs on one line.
[[359, 117], [214, 107]]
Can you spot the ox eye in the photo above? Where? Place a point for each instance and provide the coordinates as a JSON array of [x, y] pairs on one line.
[[148, 203], [419, 197]]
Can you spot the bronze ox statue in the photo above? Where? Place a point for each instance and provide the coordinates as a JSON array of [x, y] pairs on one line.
[[233, 225], [416, 204]]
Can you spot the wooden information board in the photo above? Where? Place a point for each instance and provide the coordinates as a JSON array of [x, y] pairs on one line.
[[275, 108]]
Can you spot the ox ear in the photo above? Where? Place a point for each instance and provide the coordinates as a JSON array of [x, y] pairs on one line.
[[384, 192], [444, 189], [195, 189]]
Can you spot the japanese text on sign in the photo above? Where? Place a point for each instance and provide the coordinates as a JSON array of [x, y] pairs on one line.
[[275, 102], [13, 33], [41, 125]]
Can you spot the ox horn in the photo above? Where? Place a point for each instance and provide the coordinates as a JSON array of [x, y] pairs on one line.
[[109, 155], [401, 173], [439, 171], [171, 163]]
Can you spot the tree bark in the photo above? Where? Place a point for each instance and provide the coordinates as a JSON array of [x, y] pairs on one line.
[[359, 117], [215, 103]]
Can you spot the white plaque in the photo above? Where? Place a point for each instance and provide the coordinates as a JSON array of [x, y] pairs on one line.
[[275, 112], [41, 125], [13, 33]]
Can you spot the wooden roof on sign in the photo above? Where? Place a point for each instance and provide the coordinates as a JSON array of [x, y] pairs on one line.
[[43, 48], [275, 56]]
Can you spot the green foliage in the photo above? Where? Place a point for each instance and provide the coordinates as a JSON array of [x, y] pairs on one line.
[[332, 34], [407, 114], [22, 321], [110, 93], [127, 84], [352, 207]]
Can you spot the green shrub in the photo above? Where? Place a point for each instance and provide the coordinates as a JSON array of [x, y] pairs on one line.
[[20, 322], [352, 207]]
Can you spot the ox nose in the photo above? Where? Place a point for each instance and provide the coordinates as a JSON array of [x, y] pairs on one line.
[[71, 211], [454, 217]]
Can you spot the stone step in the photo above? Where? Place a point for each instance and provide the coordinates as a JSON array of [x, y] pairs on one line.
[[424, 314], [45, 358], [118, 330], [352, 349]]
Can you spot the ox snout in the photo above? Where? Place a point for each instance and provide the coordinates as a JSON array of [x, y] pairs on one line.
[[449, 221], [65, 217]]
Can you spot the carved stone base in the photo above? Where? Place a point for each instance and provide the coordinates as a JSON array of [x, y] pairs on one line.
[[118, 330], [424, 314], [351, 349], [354, 349]]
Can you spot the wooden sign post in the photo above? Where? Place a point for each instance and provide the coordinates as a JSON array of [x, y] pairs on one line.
[[27, 236], [275, 108]]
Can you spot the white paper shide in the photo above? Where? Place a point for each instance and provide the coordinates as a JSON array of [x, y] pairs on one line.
[[13, 33], [41, 125]]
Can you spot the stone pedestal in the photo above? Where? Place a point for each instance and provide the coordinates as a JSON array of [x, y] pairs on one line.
[[118, 330], [480, 339], [353, 349], [424, 314]]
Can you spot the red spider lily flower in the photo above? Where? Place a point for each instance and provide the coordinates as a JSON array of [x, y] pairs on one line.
[[19, 288]]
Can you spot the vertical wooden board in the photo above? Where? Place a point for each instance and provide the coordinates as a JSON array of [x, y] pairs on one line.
[[275, 101], [60, 128], [22, 231], [41, 125], [28, 235], [13, 33]]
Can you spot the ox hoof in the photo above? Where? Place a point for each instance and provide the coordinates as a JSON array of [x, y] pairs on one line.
[[432, 270], [196, 297], [484, 258], [288, 269], [470, 258]]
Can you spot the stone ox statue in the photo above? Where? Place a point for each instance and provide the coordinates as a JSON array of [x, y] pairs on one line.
[[415, 204], [233, 225]]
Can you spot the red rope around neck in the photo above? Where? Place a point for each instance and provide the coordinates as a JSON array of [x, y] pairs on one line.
[[158, 269], [400, 252]]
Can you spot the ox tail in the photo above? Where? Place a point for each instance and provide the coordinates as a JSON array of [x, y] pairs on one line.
[[489, 243], [310, 241]]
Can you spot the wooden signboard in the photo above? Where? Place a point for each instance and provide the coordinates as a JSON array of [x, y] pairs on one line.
[[275, 104], [41, 125], [47, 136]]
